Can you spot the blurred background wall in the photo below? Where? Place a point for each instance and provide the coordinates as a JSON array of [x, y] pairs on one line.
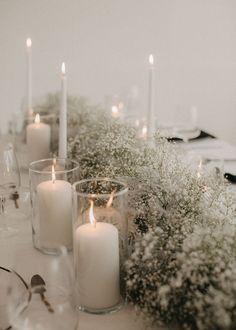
[[106, 43]]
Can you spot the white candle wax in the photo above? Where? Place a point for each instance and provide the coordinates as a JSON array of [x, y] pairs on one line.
[[150, 116], [97, 249], [38, 136], [63, 116], [29, 74], [55, 213]]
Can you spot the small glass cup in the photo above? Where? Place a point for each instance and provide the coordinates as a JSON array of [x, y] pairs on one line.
[[51, 202], [40, 291], [186, 123], [100, 243]]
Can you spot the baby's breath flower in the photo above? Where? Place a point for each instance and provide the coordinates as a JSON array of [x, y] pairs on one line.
[[183, 262]]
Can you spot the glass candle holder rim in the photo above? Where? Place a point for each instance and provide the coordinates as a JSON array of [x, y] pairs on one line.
[[60, 251], [89, 195], [43, 117], [57, 171], [136, 116]]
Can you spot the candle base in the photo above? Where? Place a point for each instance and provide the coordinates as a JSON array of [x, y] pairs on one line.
[[102, 311]]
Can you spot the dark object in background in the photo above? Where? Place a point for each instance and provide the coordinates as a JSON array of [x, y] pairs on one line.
[[201, 136], [230, 177]]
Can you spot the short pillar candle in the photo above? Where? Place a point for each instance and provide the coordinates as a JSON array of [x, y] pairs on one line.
[[100, 233]]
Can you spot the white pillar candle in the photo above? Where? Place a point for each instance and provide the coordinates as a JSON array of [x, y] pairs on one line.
[[97, 252], [63, 115], [38, 136], [29, 74], [151, 96], [55, 213]]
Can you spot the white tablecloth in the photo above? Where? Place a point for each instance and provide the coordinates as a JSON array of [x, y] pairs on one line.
[[124, 319]]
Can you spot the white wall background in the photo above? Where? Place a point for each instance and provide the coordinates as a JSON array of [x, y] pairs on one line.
[[106, 43]]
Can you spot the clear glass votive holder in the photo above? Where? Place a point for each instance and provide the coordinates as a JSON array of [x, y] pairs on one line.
[[40, 291], [51, 202], [100, 227]]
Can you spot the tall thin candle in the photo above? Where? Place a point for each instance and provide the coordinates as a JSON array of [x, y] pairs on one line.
[[151, 97], [29, 74], [63, 115]]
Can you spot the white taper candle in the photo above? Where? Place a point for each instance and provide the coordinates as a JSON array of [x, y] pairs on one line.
[[63, 115], [29, 74], [151, 98]]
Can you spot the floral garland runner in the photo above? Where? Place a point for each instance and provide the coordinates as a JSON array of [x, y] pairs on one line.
[[182, 267]]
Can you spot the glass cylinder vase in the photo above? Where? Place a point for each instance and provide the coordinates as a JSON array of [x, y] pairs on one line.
[[100, 243], [51, 202]]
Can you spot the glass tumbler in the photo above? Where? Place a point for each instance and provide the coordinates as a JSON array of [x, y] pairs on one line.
[[41, 291], [100, 243], [51, 202]]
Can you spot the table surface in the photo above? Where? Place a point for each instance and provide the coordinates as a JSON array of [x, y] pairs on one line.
[[124, 319]]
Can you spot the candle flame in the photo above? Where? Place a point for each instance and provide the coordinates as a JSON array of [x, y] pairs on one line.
[[91, 214], [110, 199], [63, 68], [144, 130], [28, 43], [37, 119], [114, 109], [53, 174], [151, 59]]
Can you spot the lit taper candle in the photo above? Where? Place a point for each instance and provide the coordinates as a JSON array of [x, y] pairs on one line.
[[151, 98], [29, 74], [63, 115]]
